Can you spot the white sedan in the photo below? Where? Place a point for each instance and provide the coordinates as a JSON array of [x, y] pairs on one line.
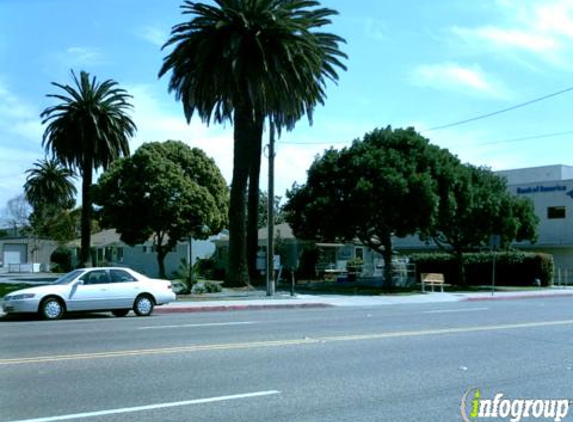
[[118, 290]]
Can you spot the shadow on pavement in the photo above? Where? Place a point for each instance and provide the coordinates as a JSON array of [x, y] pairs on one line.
[[71, 316]]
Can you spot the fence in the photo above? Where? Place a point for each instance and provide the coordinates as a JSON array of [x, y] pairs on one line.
[[563, 277]]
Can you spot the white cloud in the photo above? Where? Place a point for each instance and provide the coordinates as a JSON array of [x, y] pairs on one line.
[[511, 38], [11, 106], [541, 31], [82, 56], [156, 36], [377, 29], [20, 142], [159, 120], [455, 77], [555, 18]]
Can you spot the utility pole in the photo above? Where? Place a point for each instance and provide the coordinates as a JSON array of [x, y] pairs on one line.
[[270, 213], [190, 261]]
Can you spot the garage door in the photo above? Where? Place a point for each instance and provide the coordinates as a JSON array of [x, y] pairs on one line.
[[15, 253]]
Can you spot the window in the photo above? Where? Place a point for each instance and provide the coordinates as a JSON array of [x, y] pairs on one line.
[[95, 277], [554, 213], [359, 253], [120, 276]]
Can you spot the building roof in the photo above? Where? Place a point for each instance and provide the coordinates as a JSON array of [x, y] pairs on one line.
[[557, 172], [101, 239], [282, 231]]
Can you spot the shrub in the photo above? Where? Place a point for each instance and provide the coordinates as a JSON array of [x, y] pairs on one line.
[[206, 287], [511, 268], [62, 259], [212, 287], [204, 267], [307, 263]]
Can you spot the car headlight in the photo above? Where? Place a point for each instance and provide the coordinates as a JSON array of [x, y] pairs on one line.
[[21, 296]]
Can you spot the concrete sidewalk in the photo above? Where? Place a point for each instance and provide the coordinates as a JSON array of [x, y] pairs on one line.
[[284, 301]]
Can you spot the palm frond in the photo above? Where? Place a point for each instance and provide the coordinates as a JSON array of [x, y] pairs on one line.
[[263, 54]]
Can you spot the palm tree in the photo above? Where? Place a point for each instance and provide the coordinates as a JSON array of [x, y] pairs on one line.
[[244, 61], [50, 189], [86, 131], [50, 183]]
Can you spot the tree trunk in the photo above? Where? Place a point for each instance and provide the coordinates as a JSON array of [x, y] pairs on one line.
[[253, 202], [237, 271], [387, 255], [161, 253], [86, 216], [460, 267]]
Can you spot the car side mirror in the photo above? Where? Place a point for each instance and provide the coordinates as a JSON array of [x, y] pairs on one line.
[[78, 283]]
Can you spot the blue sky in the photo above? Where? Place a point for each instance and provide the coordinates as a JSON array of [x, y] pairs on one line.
[[421, 63]]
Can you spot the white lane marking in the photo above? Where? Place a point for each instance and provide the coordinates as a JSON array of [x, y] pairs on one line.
[[150, 407], [444, 311], [210, 324]]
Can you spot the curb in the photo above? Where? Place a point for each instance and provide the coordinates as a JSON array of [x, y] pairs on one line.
[[221, 308], [518, 297]]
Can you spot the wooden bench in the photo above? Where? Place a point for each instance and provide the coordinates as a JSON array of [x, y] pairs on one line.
[[432, 279]]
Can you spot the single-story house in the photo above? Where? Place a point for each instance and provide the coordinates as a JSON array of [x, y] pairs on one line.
[[110, 250], [292, 253]]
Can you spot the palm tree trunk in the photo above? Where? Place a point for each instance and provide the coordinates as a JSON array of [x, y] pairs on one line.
[[237, 272], [86, 216], [253, 202]]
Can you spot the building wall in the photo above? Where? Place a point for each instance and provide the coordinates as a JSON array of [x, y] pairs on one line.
[[32, 250], [553, 202], [143, 258]]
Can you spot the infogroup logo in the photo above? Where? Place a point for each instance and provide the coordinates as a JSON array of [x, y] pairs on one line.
[[474, 408]]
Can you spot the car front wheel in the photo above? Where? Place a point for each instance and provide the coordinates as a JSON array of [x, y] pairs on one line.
[[52, 308], [143, 305]]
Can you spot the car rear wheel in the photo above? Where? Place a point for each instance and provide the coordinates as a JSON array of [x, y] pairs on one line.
[[52, 308], [120, 312], [143, 305]]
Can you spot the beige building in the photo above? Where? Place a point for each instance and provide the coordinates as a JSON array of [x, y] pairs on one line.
[[25, 254]]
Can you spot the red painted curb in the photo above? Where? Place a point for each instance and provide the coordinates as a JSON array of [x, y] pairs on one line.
[[220, 308], [515, 297]]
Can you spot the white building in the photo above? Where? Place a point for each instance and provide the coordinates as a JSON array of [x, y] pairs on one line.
[[551, 190]]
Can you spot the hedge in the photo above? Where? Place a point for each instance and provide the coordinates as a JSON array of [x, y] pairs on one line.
[[62, 259], [511, 268]]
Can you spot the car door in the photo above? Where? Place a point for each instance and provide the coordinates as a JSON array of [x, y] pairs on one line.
[[124, 288], [92, 293]]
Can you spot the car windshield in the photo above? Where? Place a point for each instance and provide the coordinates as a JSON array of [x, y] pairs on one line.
[[69, 277]]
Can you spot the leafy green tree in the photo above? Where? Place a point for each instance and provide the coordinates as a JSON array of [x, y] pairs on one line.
[[244, 61], [279, 214], [87, 130], [50, 190], [475, 204], [165, 191], [380, 187]]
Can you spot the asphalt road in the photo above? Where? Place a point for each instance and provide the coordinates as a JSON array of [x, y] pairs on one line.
[[388, 363]]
